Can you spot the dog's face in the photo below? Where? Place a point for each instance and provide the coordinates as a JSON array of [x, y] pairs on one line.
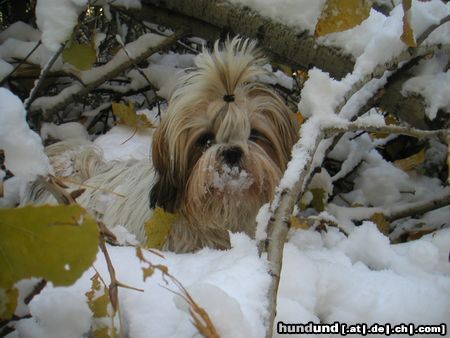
[[224, 142]]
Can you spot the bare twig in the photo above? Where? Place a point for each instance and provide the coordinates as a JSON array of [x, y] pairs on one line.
[[389, 129], [60, 194], [431, 29], [419, 208], [44, 73], [21, 62]]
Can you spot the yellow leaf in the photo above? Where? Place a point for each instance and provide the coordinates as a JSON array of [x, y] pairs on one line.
[[299, 117], [8, 303], [389, 119], [298, 223], [98, 297], [408, 34], [340, 15], [57, 243], [148, 272], [102, 309], [380, 220], [412, 161], [157, 228], [127, 115], [319, 199], [80, 55]]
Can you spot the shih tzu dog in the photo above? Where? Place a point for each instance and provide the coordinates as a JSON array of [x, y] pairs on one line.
[[218, 154]]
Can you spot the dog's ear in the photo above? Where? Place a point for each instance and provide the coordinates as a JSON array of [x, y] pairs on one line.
[[166, 192]]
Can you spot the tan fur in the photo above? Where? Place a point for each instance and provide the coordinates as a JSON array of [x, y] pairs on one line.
[[189, 172]]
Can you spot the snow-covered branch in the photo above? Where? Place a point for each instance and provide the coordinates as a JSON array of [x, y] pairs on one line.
[[388, 129], [139, 50], [211, 19]]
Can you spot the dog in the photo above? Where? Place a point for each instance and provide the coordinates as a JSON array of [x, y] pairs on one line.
[[218, 154]]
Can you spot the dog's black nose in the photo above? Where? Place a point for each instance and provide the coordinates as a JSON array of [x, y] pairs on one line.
[[232, 156]]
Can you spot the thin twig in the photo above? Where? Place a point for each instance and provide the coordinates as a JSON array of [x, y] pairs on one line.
[[21, 63], [388, 129], [431, 29], [44, 73]]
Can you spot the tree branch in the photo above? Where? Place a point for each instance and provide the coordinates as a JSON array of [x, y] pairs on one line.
[[288, 194], [43, 75], [212, 19], [144, 48], [389, 129]]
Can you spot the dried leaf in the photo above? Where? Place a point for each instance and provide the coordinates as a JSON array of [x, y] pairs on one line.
[[380, 220], [300, 118], [77, 193], [408, 33], [319, 199], [409, 163], [340, 15], [389, 119], [157, 228], [127, 115], [98, 299], [298, 223], [99, 303]]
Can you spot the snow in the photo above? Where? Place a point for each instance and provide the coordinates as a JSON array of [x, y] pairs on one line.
[[301, 14], [5, 69], [56, 20], [21, 145], [327, 277], [122, 143], [65, 131], [20, 31], [331, 92], [434, 88]]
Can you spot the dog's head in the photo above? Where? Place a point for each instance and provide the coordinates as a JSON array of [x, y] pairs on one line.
[[224, 141]]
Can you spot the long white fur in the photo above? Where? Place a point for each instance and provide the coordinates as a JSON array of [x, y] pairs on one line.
[[116, 192]]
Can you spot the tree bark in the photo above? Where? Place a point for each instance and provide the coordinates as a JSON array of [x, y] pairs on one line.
[[212, 19]]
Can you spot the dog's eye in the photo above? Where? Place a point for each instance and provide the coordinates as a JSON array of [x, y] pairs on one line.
[[206, 140], [255, 136]]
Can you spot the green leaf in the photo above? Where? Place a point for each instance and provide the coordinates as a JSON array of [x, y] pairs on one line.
[[80, 55], [57, 243], [157, 228], [340, 15]]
